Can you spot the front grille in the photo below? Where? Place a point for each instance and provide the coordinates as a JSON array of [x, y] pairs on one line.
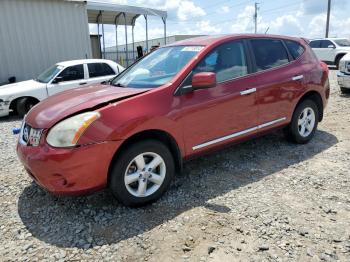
[[30, 136]]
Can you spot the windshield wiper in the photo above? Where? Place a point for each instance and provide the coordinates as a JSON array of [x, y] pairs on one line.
[[119, 85]]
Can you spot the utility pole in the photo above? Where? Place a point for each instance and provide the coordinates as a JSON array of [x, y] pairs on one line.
[[256, 18], [328, 15]]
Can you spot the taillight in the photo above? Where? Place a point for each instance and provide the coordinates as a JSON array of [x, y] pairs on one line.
[[324, 67]]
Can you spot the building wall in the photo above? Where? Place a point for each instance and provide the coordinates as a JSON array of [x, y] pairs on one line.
[[34, 34]]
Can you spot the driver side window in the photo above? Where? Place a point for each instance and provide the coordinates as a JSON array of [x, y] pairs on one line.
[[72, 73], [228, 61]]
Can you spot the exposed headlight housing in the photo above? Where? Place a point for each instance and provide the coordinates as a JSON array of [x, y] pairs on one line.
[[68, 132], [342, 66]]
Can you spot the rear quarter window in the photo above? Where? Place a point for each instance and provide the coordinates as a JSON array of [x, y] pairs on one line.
[[295, 49], [269, 53]]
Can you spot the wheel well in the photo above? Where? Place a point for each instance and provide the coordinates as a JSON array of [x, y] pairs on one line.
[[14, 102], [159, 135], [316, 97], [338, 56]]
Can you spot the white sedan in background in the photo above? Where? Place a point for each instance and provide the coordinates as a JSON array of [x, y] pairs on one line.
[[22, 96]]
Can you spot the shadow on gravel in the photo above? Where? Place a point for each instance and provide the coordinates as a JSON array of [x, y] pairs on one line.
[[85, 222], [11, 118]]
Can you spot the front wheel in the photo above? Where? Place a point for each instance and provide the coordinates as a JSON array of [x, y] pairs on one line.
[[304, 123], [344, 90], [24, 105], [142, 173]]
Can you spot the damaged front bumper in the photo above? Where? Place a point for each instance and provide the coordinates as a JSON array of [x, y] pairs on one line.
[[4, 108]]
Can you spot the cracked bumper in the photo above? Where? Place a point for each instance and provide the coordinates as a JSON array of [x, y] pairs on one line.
[[4, 108], [343, 80]]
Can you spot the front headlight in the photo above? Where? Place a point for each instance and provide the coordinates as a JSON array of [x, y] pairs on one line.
[[68, 132], [342, 66]]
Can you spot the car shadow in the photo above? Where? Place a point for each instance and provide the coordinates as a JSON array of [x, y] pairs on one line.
[[85, 222]]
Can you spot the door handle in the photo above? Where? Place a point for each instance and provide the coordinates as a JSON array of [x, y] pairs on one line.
[[296, 78], [84, 83], [248, 91]]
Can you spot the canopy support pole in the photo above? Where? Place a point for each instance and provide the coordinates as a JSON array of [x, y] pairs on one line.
[[164, 22], [146, 33], [103, 36], [132, 35], [116, 36], [98, 32], [126, 42]]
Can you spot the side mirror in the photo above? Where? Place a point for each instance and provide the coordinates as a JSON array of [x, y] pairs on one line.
[[57, 80], [331, 46], [203, 80]]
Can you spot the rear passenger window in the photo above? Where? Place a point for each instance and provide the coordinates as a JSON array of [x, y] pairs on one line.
[[326, 43], [315, 44], [227, 61], [100, 69], [295, 49], [269, 53]]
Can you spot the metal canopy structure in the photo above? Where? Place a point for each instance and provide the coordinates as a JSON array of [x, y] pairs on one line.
[[116, 14]]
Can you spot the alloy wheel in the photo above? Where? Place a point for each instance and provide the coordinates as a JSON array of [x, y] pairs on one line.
[[145, 174], [306, 122]]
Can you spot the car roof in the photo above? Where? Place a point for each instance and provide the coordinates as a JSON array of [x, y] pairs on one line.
[[83, 61], [208, 40], [329, 38]]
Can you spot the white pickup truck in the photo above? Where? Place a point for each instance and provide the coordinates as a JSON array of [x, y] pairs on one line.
[[330, 50], [22, 96], [343, 74]]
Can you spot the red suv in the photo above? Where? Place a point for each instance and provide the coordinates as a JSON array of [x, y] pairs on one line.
[[133, 133]]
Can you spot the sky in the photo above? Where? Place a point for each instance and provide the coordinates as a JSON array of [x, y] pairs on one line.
[[306, 18]]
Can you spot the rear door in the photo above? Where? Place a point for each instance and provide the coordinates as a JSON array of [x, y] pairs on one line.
[[226, 112], [277, 81], [99, 72]]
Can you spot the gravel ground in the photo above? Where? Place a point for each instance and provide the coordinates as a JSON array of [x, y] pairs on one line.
[[265, 199]]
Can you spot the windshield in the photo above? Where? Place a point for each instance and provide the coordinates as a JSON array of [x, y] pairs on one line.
[[48, 74], [157, 68], [342, 42]]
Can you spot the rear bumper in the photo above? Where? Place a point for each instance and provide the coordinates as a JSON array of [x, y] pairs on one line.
[[343, 79], [74, 171]]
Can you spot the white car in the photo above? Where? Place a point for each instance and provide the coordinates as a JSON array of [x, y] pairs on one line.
[[343, 74], [330, 50], [22, 96]]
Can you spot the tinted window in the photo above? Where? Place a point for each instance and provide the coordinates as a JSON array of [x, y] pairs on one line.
[[100, 69], [73, 73], [342, 42], [294, 48], [269, 53], [315, 44], [326, 43], [227, 61]]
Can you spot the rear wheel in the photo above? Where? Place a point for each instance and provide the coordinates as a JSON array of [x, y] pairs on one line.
[[304, 122], [142, 173], [24, 105]]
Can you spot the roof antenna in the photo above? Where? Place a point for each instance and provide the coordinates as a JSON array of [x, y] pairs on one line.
[[267, 30]]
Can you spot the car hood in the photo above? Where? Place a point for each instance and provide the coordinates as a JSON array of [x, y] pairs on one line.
[[57, 107], [20, 87]]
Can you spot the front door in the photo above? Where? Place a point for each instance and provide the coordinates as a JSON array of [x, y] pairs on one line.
[[226, 112], [70, 77]]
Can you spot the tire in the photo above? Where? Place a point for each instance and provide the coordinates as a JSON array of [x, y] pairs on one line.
[[301, 130], [344, 90], [140, 189], [23, 105]]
